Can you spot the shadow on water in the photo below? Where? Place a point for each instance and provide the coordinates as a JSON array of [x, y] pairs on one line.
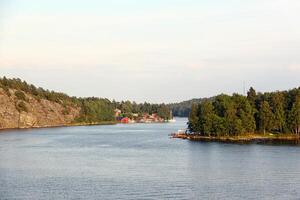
[[271, 142], [278, 142]]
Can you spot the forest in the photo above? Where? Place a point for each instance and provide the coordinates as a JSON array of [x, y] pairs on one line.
[[183, 109], [128, 108], [264, 113], [92, 110]]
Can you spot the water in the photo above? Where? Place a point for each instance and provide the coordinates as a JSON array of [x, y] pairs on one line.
[[140, 161]]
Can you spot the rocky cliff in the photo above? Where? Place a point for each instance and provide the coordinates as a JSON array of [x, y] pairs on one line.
[[27, 111]]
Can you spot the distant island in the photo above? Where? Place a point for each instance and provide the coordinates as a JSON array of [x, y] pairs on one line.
[[24, 105], [256, 117], [183, 109]]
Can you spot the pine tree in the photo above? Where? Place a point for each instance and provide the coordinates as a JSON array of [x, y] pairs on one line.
[[265, 117], [206, 111], [193, 118], [277, 103], [294, 116]]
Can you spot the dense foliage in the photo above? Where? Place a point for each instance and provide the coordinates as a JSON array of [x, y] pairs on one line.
[[128, 108], [96, 110], [275, 112], [183, 109]]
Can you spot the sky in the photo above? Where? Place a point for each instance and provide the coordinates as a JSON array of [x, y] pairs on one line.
[[155, 51]]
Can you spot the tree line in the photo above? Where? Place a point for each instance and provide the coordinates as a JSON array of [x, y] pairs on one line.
[[271, 112], [183, 109], [128, 108], [92, 109]]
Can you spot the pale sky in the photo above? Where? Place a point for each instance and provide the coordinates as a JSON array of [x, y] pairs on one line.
[[155, 51]]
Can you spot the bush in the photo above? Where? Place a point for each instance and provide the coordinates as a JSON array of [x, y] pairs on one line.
[[21, 107], [6, 90], [66, 111], [20, 95]]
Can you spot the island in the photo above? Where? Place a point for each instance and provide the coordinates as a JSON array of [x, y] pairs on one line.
[[255, 117]]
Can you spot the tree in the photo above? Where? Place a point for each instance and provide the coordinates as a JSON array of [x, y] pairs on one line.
[[164, 112], [218, 125], [183, 108], [233, 124], [251, 96], [206, 117], [245, 112], [226, 107], [193, 118], [258, 112], [126, 107], [294, 117], [95, 110], [265, 117], [277, 101]]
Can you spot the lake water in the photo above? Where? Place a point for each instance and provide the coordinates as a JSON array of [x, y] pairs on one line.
[[140, 161]]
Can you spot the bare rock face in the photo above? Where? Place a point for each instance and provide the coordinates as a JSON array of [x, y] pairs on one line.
[[39, 113], [27, 120]]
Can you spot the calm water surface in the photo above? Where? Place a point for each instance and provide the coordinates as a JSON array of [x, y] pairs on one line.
[[140, 161]]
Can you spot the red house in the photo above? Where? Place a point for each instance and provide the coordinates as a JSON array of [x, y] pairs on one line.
[[125, 120]]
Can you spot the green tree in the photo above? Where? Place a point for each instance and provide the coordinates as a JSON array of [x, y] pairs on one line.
[[95, 110], [277, 104], [251, 96], [265, 117], [218, 125], [245, 113], [226, 107], [233, 124], [126, 107], [193, 118], [164, 112], [294, 116], [206, 117]]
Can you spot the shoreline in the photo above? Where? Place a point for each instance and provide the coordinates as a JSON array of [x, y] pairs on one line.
[[244, 139], [60, 126], [75, 124]]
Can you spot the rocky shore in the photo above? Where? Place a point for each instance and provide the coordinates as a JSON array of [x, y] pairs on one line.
[[39, 113]]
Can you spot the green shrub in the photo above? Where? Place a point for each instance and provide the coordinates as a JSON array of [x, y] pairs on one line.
[[21, 107], [20, 95], [6, 90], [66, 111]]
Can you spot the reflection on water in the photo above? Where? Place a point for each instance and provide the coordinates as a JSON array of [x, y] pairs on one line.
[[295, 142], [268, 141], [140, 161]]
